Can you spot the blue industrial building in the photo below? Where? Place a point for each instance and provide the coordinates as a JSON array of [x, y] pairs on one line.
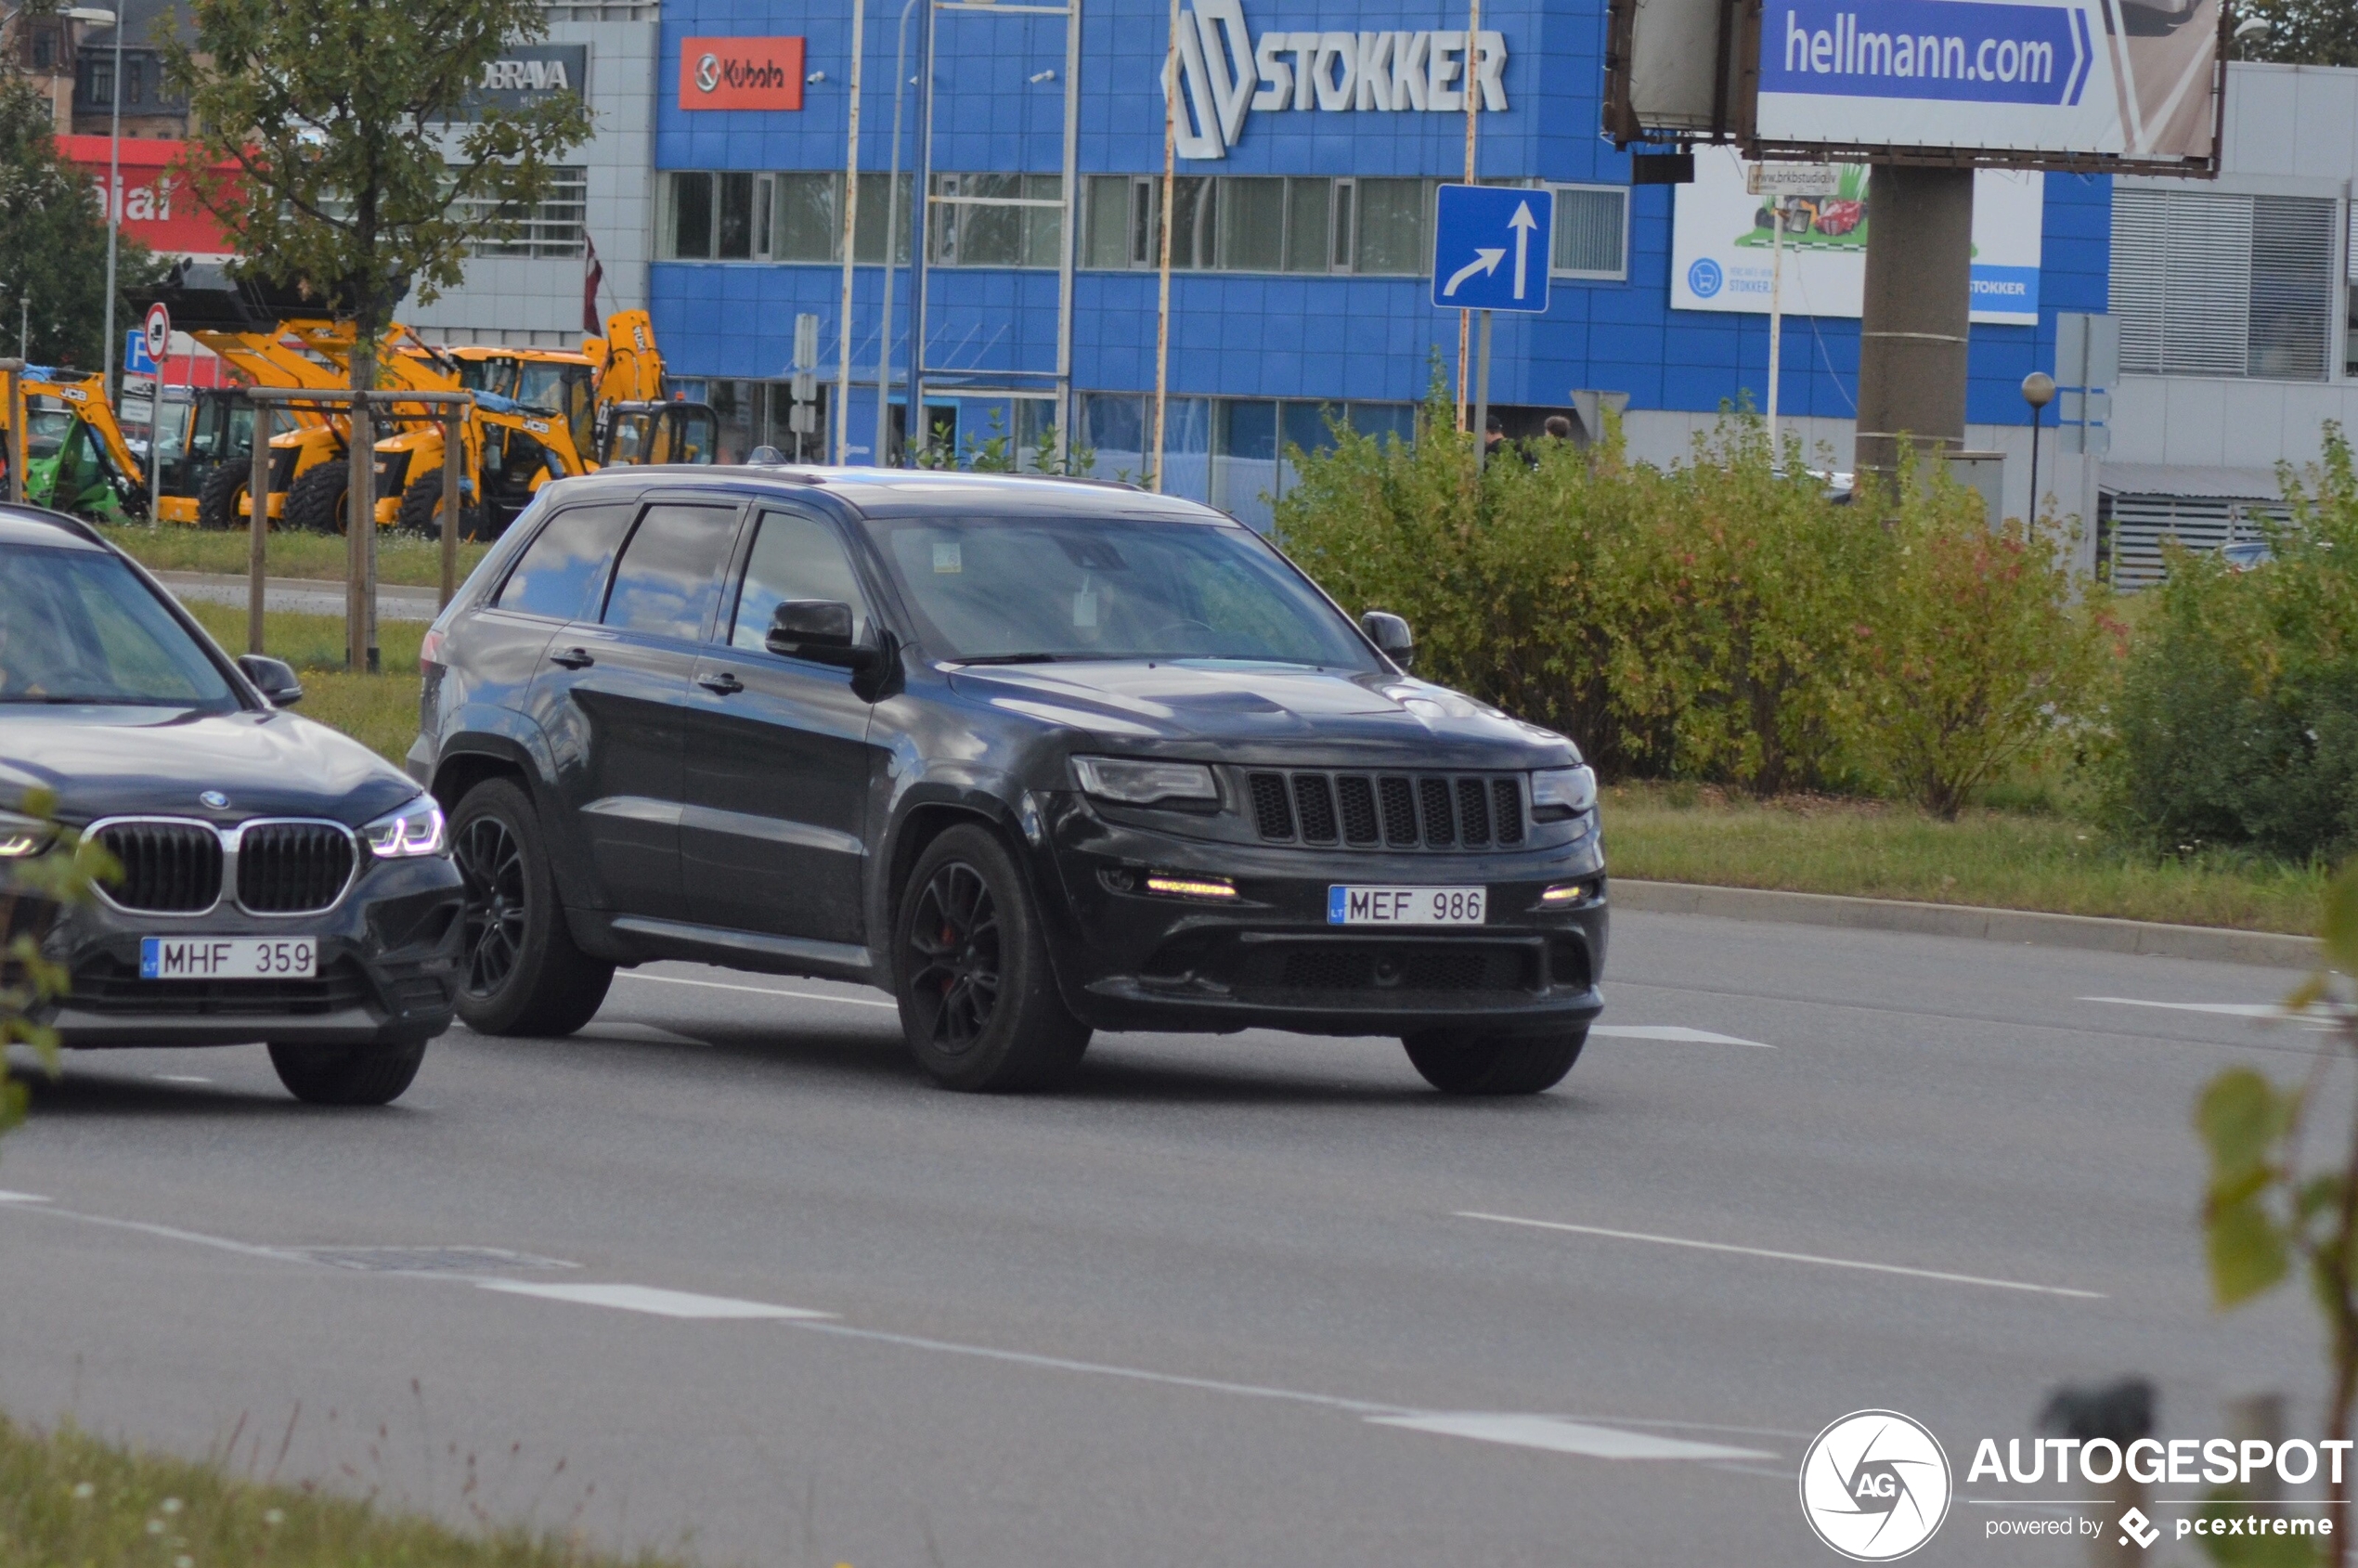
[[1302, 246]]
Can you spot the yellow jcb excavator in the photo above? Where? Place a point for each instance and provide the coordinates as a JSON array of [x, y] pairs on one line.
[[76, 458]]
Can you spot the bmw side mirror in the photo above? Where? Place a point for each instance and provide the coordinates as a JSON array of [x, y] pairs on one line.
[[274, 678], [818, 629], [1391, 636]]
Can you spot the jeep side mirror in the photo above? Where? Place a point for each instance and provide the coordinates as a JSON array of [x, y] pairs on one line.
[[818, 629], [274, 678], [1391, 636]]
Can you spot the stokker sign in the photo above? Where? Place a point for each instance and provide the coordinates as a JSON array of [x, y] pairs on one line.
[[741, 74]]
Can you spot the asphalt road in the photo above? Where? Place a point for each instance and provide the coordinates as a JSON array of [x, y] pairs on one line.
[[1223, 1302]]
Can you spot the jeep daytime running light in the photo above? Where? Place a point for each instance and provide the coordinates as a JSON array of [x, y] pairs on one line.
[[1563, 791], [22, 837], [1564, 893], [416, 829], [1184, 887], [1143, 784]]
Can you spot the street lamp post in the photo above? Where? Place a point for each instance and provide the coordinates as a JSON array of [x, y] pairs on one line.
[[107, 349], [2038, 390]]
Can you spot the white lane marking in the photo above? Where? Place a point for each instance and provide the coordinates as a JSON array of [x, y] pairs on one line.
[[759, 990], [21, 1197], [180, 1078], [1786, 1257], [1672, 1031], [648, 1298], [2225, 1009], [1565, 1437]]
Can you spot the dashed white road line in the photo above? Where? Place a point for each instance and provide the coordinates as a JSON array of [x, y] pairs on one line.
[[649, 1298], [180, 1078], [2224, 1009], [1940, 1275], [758, 989], [21, 1197], [1565, 1437], [1673, 1031]]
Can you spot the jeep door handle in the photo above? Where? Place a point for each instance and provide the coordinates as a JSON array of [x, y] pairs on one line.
[[573, 658], [723, 684]]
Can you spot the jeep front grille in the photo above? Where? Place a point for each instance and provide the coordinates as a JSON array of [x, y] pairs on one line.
[[1366, 810]]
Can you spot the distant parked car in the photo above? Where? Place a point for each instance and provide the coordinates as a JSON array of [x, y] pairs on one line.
[[279, 882], [1038, 756], [2244, 554]]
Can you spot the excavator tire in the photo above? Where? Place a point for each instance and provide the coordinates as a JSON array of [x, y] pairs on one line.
[[217, 503], [316, 502]]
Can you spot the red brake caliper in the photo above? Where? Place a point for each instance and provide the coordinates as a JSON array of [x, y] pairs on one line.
[[948, 936]]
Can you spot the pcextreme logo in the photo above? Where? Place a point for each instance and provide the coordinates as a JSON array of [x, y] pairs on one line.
[[1874, 1485]]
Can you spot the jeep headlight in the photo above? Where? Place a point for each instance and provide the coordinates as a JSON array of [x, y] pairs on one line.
[[1558, 793], [1136, 783], [416, 829]]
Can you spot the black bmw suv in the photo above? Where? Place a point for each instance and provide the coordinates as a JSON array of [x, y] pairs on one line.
[[273, 880], [1037, 755]]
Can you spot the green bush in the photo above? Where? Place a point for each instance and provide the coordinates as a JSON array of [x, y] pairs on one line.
[[1722, 620], [2237, 718]]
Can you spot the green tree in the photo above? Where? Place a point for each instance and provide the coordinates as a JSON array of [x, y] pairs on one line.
[[53, 242], [2272, 1206], [2301, 31], [359, 161]]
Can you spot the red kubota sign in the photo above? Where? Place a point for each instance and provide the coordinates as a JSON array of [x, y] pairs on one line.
[[157, 211], [741, 74]]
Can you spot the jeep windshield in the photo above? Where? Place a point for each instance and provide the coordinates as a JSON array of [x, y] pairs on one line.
[[1027, 590]]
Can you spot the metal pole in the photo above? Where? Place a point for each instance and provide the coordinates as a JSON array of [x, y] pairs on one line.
[[258, 529], [360, 527], [1776, 309], [1481, 400], [892, 245], [1914, 326], [920, 243], [1162, 285], [155, 443], [454, 437], [114, 202], [1465, 318], [14, 370], [850, 232], [2036, 409], [1071, 219]]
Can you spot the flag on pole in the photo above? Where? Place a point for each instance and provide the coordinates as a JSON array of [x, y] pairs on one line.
[[592, 279]]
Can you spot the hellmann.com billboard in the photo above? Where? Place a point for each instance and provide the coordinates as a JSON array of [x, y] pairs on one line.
[[2054, 76], [2129, 85]]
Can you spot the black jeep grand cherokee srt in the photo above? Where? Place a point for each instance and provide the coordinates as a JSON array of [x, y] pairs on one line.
[[1037, 755]]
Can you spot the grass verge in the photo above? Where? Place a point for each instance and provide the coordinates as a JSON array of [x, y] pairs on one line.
[[67, 1498], [401, 557], [381, 711], [2008, 860]]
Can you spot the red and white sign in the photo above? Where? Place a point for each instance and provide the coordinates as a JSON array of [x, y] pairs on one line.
[[156, 207], [741, 74], [159, 332]]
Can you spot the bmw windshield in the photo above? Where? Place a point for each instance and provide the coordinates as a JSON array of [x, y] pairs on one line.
[[1026, 590], [77, 627]]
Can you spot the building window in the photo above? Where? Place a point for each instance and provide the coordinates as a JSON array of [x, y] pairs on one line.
[[551, 227], [1592, 229], [98, 83], [133, 70], [2213, 284], [1260, 224], [2349, 316], [995, 220], [737, 216], [44, 50]]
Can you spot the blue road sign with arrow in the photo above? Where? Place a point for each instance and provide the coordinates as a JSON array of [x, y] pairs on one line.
[[1490, 248]]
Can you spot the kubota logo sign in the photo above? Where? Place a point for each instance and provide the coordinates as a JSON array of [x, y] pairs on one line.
[[741, 74]]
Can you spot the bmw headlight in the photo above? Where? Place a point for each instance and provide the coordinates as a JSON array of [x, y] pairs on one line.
[[1143, 784], [23, 837], [1558, 793], [416, 829]]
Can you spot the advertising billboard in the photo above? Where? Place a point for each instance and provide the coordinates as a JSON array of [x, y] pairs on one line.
[[158, 209], [741, 74], [2127, 79], [1721, 244], [2089, 84]]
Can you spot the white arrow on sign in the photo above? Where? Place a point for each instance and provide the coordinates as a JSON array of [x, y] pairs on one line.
[[1522, 223], [1486, 261]]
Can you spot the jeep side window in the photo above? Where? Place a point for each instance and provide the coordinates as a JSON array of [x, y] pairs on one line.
[[564, 569], [670, 570], [794, 557]]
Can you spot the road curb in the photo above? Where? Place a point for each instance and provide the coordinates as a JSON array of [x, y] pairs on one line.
[[2206, 943]]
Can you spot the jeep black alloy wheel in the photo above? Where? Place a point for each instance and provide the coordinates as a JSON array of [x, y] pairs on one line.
[[978, 1000], [493, 866], [525, 975]]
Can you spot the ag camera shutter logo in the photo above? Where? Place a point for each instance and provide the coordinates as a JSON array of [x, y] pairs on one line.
[[1875, 1485]]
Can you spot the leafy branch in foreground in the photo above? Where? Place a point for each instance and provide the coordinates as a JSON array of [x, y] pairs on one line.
[[43, 868], [2268, 1208]]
